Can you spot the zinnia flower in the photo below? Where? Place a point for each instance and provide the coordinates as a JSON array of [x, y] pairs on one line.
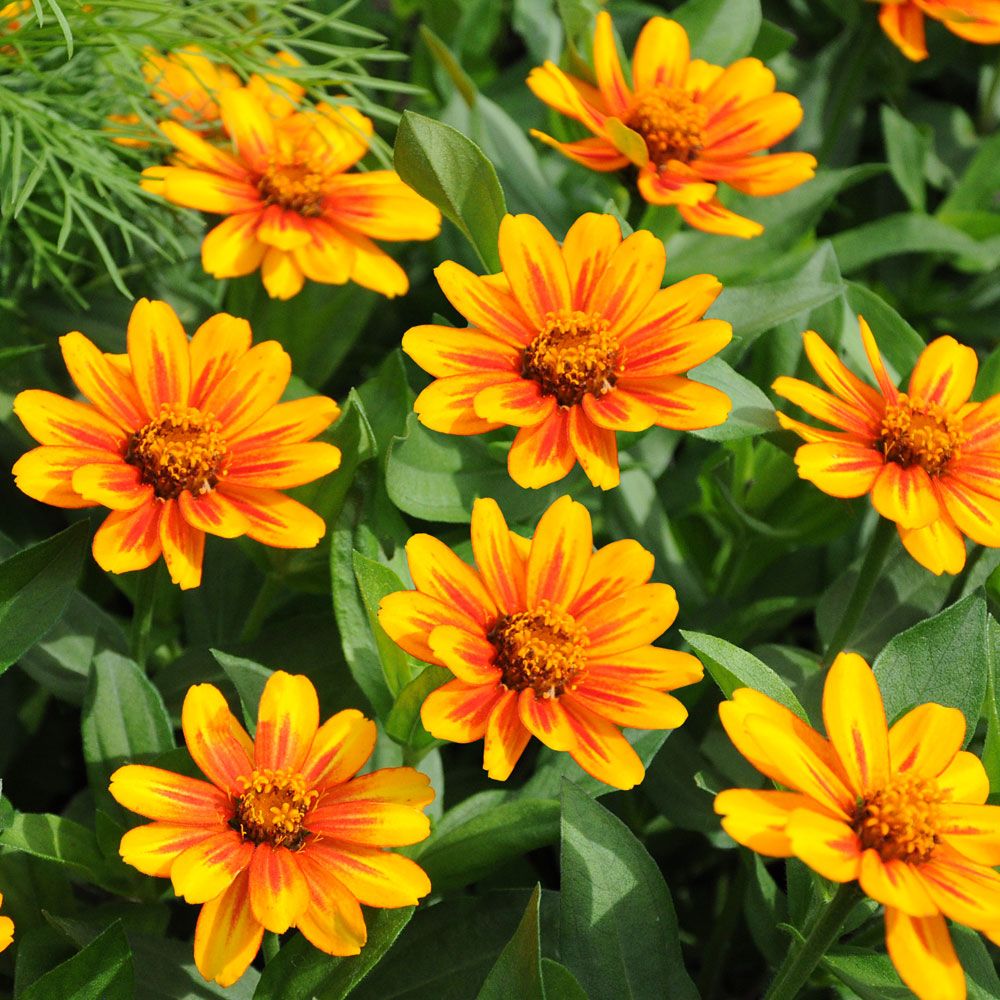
[[178, 439], [973, 20], [686, 124], [282, 834], [900, 810], [6, 930], [570, 344], [928, 457], [293, 210], [188, 84], [546, 638]]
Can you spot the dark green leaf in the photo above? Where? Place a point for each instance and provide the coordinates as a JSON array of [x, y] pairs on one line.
[[560, 983], [618, 931], [376, 581], [721, 31], [752, 411], [906, 146], [518, 970], [249, 679], [54, 838], [101, 971], [403, 723]]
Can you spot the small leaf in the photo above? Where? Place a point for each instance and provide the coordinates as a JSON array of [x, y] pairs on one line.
[[376, 581], [720, 30], [54, 838], [945, 659], [627, 141], [403, 723], [560, 983], [101, 971], [518, 970], [35, 587], [732, 668], [249, 679], [752, 411], [906, 146], [450, 171], [618, 931]]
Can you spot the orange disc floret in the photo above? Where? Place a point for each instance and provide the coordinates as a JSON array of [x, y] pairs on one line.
[[282, 834], [901, 810], [178, 438], [570, 344], [973, 20], [545, 638], [293, 210], [927, 457], [688, 126]]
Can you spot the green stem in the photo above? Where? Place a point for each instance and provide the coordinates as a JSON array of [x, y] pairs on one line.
[[799, 964], [878, 549], [142, 613], [260, 608]]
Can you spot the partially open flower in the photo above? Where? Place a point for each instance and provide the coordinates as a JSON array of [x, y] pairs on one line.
[[900, 809], [687, 125], [282, 834], [179, 438]]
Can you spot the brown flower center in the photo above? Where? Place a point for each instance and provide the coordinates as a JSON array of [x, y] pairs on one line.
[[272, 807], [298, 184], [574, 354], [544, 649], [672, 124], [921, 434], [182, 449], [901, 821]]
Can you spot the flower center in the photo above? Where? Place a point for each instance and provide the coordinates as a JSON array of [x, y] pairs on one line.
[[298, 184], [920, 434], [272, 806], [901, 820], [544, 649], [182, 449], [671, 123], [574, 354]]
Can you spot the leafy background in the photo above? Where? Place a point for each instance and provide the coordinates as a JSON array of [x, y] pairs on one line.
[[549, 886]]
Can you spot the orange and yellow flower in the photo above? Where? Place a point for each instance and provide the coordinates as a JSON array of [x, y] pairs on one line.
[[546, 638], [928, 457], [6, 930], [293, 210], [900, 809], [282, 834], [973, 20], [188, 84], [11, 13], [570, 344], [178, 438], [687, 125]]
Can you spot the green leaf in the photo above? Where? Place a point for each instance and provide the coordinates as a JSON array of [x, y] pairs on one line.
[[450, 171], [870, 976], [54, 838], [124, 722], [991, 747], [977, 186], [732, 668], [899, 344], [376, 581], [945, 659], [403, 723], [518, 970], [436, 477], [472, 839], [249, 679], [560, 983], [752, 411], [35, 587], [906, 146], [618, 932], [300, 972], [101, 971], [721, 31]]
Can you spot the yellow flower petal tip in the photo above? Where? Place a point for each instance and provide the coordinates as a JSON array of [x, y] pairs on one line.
[[901, 810], [548, 639], [926, 456], [687, 126], [179, 438], [570, 344], [284, 833]]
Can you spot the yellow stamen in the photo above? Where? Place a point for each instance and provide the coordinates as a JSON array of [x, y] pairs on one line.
[[544, 649], [901, 820], [182, 449], [923, 434], [671, 123], [574, 354], [298, 183], [272, 807]]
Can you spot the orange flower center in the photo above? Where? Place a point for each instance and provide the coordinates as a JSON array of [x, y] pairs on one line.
[[574, 354], [544, 649], [672, 124], [298, 184], [182, 449], [272, 807], [920, 434], [901, 820]]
